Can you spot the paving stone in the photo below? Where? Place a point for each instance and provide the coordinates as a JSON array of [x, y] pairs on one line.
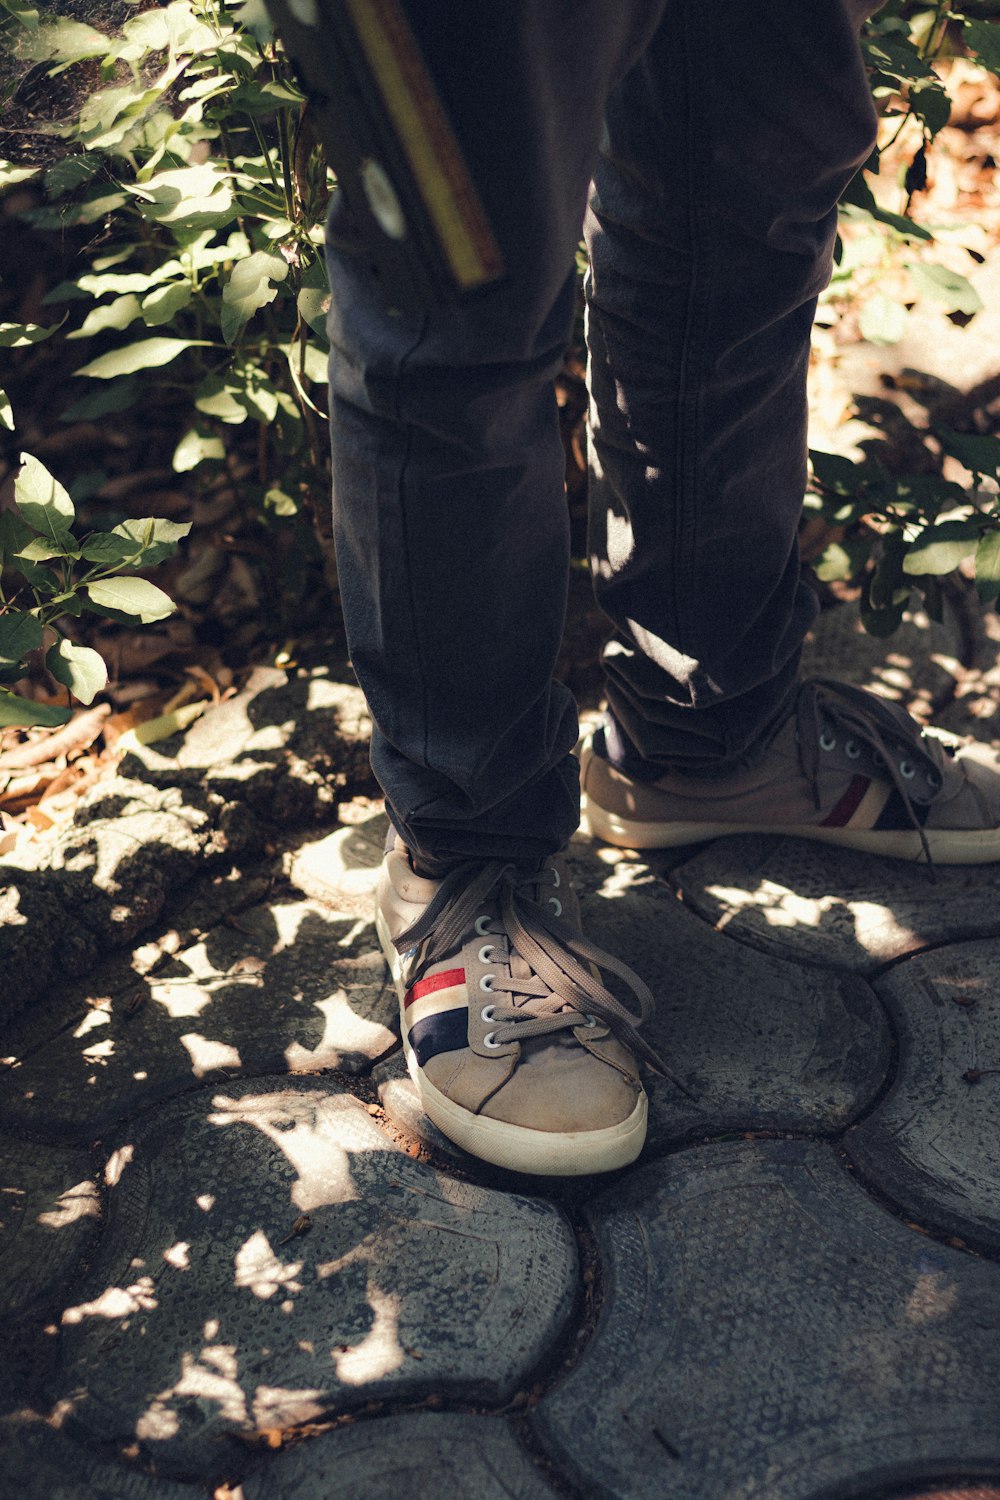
[[109, 876], [764, 1043], [931, 1145], [834, 907], [285, 985], [423, 1456], [918, 666], [341, 868], [213, 1309], [769, 1331], [49, 1211], [40, 1463]]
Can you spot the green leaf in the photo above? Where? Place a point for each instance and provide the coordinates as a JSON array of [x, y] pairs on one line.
[[147, 354], [941, 548], [249, 288], [980, 455], [156, 537], [955, 291], [6, 412], [39, 549], [148, 32], [63, 40], [882, 321], [17, 335], [16, 712], [11, 175], [220, 399], [117, 314], [23, 13], [110, 551], [313, 305], [313, 362], [72, 172], [79, 668], [983, 37], [163, 305], [20, 632], [988, 565], [132, 596], [195, 448], [14, 534], [119, 395], [931, 104], [834, 472], [281, 503], [42, 500], [842, 559], [187, 197]]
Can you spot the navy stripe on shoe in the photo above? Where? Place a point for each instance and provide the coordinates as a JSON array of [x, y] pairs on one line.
[[895, 816], [446, 1032]]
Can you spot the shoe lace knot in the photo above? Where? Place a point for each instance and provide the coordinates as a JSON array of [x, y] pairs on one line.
[[552, 976]]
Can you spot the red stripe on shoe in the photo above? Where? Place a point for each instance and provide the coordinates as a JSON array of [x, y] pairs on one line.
[[848, 804], [434, 982]]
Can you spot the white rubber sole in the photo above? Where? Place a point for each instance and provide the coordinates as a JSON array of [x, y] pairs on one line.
[[540, 1153], [948, 846]]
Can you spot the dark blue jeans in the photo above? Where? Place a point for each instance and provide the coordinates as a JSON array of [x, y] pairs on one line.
[[716, 139]]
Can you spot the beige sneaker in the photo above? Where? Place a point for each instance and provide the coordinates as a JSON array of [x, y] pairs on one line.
[[848, 768], [520, 1054]]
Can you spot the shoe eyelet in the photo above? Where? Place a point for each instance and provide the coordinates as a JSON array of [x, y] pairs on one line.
[[485, 953], [487, 1012], [556, 905], [852, 750], [482, 930], [589, 1022], [934, 781], [827, 741], [878, 758], [486, 983], [490, 1041], [906, 770], [556, 881]]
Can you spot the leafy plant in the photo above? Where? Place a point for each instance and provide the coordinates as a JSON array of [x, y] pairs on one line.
[[196, 161], [48, 576], [896, 533]]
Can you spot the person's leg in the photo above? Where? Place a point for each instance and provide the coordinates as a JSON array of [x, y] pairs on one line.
[[450, 516], [710, 238], [453, 547], [710, 233]]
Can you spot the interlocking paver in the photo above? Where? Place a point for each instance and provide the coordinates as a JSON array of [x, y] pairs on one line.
[[213, 1309], [770, 1331], [829, 906], [49, 1212], [423, 1457], [39, 1463], [932, 1144], [287, 985], [341, 868]]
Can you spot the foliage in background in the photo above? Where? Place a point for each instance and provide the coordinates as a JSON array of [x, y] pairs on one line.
[[195, 162], [900, 532], [191, 162]]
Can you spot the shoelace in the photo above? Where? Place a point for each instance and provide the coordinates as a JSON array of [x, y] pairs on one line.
[[553, 986], [885, 728]]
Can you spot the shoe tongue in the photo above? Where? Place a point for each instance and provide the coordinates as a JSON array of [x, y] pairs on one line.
[[519, 967]]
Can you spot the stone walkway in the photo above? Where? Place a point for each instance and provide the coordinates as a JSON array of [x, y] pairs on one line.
[[239, 1262]]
